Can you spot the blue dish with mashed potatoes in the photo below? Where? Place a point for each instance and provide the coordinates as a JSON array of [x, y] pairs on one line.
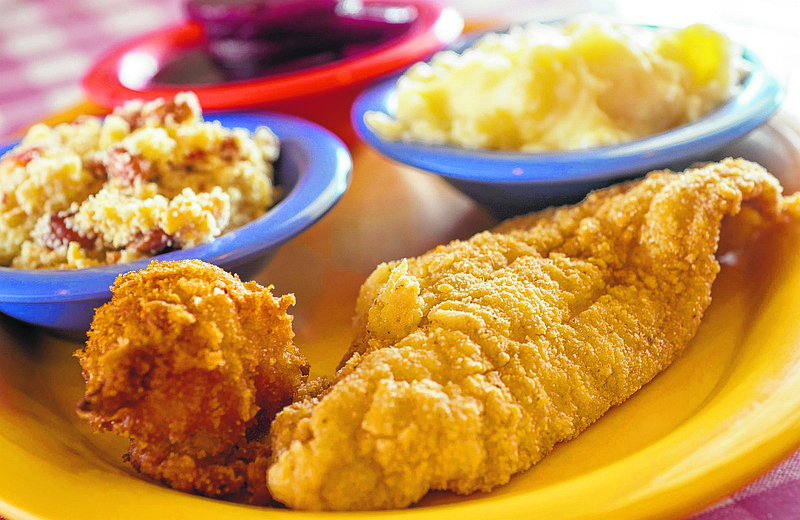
[[313, 172], [514, 182]]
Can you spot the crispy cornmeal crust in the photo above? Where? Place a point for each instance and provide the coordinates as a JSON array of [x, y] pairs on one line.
[[191, 365], [472, 361]]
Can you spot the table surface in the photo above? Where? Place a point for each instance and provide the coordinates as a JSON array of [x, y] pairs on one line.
[[47, 45]]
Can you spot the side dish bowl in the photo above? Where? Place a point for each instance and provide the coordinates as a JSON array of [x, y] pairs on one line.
[[313, 172], [321, 93], [510, 183]]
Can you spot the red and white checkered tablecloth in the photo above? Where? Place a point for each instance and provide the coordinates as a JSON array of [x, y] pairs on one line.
[[47, 45]]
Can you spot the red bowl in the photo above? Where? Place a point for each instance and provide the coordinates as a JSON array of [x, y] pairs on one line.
[[322, 94]]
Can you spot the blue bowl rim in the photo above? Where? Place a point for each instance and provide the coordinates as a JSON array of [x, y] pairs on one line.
[[760, 95], [326, 167]]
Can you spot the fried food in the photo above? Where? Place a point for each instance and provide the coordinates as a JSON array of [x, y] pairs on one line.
[[473, 360], [191, 365]]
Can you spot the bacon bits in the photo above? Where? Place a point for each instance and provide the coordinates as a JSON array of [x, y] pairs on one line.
[[61, 234], [153, 243], [127, 167]]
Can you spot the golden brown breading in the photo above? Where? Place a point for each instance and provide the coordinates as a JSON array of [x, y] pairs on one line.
[[473, 360], [192, 365]]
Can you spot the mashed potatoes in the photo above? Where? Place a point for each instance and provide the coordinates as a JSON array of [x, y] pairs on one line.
[[546, 87], [146, 179]]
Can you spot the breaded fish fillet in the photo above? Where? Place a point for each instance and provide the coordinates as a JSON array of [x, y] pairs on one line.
[[473, 360]]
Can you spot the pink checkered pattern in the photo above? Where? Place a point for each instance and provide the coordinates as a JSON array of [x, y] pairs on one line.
[[774, 496], [47, 45]]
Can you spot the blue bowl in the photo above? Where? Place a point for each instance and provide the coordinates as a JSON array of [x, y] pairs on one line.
[[512, 183], [313, 172]]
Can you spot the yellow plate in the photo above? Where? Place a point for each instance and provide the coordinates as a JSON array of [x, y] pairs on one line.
[[720, 416]]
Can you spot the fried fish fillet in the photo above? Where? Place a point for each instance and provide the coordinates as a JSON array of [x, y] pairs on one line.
[[191, 364], [473, 360]]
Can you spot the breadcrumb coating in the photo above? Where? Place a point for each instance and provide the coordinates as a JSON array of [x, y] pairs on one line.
[[473, 360], [191, 365]]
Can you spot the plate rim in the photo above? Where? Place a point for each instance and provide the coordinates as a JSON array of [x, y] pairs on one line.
[[437, 25]]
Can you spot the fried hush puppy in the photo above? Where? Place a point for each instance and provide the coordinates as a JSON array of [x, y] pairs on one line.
[[473, 360], [192, 365]]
